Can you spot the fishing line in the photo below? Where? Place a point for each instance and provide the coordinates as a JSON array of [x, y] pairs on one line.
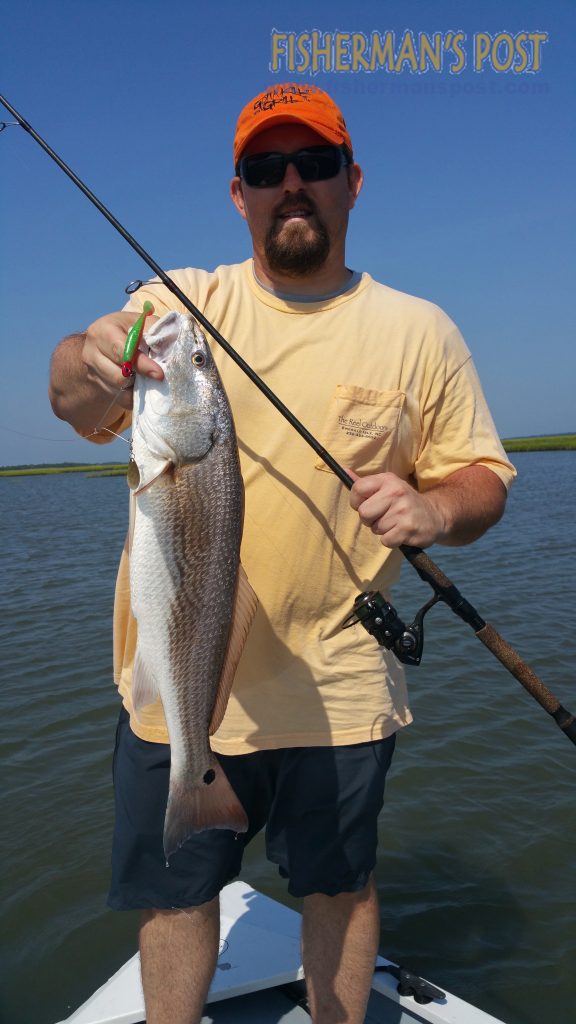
[[25, 165], [96, 430], [64, 440], [38, 437], [370, 608]]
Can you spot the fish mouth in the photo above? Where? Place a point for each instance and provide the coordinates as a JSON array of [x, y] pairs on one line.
[[163, 339], [160, 351]]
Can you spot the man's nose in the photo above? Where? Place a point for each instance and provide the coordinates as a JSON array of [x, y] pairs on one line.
[[292, 181]]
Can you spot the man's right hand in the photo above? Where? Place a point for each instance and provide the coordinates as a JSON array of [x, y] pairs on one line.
[[86, 378], [103, 350]]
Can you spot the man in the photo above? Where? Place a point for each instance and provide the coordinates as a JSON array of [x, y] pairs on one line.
[[387, 385]]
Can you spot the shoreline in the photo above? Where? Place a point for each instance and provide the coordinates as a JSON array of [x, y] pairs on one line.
[[541, 443]]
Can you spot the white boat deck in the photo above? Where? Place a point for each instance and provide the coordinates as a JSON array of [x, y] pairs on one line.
[[260, 951]]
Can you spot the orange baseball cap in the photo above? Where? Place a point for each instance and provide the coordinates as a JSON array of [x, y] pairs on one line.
[[286, 104]]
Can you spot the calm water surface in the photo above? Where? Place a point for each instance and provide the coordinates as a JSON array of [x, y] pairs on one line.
[[478, 843]]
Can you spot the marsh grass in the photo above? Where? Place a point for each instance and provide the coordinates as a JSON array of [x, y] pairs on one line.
[[105, 469], [548, 443]]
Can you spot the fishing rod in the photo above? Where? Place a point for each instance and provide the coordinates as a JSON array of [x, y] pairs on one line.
[[370, 609]]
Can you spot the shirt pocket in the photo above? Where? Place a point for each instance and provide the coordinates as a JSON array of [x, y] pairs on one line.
[[361, 427]]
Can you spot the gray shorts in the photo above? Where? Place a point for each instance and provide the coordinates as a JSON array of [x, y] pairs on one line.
[[319, 806]]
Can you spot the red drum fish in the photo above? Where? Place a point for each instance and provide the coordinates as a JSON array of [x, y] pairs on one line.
[[189, 594]]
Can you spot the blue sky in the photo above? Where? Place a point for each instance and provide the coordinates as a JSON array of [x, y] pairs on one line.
[[468, 200]]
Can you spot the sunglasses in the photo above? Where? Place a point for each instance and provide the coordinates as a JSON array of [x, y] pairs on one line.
[[316, 163]]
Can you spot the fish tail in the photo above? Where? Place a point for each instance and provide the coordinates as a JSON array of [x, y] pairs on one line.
[[194, 808]]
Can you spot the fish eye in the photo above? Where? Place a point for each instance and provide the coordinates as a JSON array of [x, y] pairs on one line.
[[198, 358]]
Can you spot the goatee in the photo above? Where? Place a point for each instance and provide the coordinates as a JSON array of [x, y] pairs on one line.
[[300, 247]]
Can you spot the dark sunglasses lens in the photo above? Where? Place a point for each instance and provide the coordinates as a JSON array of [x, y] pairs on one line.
[[318, 165], [315, 164], [263, 171]]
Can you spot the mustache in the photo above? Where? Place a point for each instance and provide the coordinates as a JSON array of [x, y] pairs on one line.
[[297, 202]]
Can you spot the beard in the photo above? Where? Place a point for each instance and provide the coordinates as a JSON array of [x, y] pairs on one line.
[[297, 248]]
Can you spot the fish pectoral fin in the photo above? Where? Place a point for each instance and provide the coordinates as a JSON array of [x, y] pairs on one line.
[[245, 605], [144, 686], [142, 476]]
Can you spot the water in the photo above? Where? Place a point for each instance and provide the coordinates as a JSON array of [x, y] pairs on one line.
[[476, 871]]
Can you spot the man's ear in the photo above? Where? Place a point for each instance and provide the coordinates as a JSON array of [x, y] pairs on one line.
[[237, 196], [355, 182]]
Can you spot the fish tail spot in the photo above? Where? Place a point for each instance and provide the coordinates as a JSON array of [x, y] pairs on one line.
[[195, 808]]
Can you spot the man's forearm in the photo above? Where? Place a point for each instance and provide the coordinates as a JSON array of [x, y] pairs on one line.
[[468, 502]]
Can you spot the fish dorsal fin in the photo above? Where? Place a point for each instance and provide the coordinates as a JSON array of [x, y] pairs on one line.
[[245, 606], [144, 686]]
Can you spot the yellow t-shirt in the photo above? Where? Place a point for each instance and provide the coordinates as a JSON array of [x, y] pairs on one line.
[[385, 382]]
